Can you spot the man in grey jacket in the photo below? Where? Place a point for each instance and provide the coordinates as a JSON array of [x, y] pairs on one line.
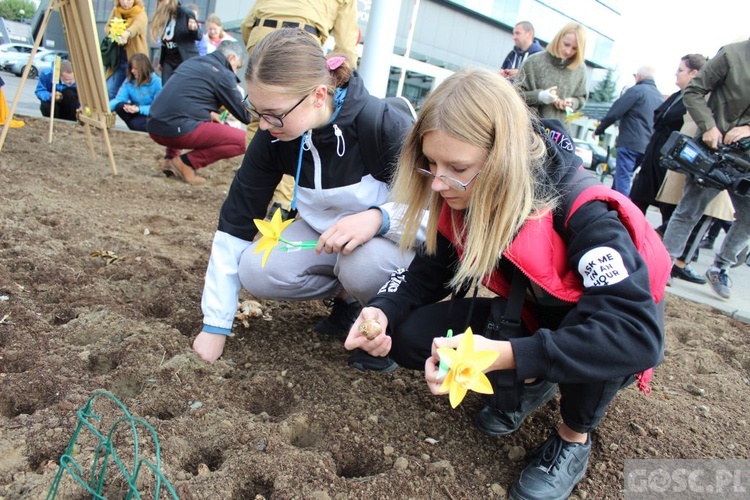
[[635, 110], [725, 118]]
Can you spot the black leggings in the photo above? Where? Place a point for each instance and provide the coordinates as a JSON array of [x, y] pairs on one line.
[[65, 108], [134, 121], [582, 406]]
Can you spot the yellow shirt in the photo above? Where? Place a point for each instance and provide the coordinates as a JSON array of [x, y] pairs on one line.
[[337, 16]]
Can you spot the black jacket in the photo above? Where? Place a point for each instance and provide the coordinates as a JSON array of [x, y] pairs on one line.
[[334, 180], [635, 110], [183, 38], [612, 331], [198, 86], [667, 118], [516, 56]]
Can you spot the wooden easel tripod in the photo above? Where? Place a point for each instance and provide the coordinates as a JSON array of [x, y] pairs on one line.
[[83, 44]]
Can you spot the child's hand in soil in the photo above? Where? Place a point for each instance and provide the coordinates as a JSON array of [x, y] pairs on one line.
[[209, 346]]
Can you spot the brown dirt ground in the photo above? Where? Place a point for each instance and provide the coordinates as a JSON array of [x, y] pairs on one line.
[[280, 415]]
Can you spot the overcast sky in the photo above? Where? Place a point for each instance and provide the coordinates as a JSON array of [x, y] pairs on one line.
[[660, 32]]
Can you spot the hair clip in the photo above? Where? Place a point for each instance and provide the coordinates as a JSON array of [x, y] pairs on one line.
[[335, 62]]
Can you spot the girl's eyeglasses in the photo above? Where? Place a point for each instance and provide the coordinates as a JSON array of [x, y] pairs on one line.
[[449, 181], [273, 120]]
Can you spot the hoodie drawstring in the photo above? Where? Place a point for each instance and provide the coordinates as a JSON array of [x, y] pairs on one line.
[[299, 169], [338, 102]]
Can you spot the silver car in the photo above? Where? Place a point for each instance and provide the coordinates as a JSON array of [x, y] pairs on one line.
[[13, 52], [41, 62]]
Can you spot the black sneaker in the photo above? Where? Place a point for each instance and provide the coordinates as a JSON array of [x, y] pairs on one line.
[[340, 320], [554, 471], [364, 362], [494, 422], [686, 273], [706, 244]]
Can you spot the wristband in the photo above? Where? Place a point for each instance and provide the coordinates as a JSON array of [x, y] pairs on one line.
[[385, 226]]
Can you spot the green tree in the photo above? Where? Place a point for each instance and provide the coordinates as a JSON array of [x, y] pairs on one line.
[[17, 10], [605, 90]]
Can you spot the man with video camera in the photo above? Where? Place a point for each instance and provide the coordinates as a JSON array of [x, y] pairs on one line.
[[724, 118]]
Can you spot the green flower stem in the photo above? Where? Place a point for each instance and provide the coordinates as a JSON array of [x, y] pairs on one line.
[[300, 244], [443, 366]]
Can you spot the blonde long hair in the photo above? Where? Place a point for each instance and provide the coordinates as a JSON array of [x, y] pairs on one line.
[[580, 34], [481, 108], [165, 10]]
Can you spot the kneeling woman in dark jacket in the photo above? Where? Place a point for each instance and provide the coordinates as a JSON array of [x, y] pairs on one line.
[[497, 185]]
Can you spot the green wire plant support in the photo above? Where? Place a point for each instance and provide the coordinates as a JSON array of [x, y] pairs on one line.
[[119, 445]]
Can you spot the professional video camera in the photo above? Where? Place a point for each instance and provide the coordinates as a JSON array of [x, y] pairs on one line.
[[725, 168]]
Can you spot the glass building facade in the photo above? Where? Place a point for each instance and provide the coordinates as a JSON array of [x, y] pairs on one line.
[[450, 34]]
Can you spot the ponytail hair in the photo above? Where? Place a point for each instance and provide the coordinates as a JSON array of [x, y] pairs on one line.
[[293, 60]]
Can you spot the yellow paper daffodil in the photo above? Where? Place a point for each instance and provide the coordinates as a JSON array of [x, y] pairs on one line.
[[271, 232], [571, 116], [466, 369], [116, 28]]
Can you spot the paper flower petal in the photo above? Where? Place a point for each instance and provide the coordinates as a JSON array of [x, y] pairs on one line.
[[466, 369], [456, 395], [271, 233], [482, 385]]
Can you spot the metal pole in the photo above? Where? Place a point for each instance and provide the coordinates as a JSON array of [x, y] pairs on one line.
[[409, 38], [380, 38]]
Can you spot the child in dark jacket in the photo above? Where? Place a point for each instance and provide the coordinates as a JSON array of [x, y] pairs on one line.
[[578, 307], [309, 109], [176, 28]]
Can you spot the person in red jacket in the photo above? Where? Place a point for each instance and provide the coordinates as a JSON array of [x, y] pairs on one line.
[[579, 284]]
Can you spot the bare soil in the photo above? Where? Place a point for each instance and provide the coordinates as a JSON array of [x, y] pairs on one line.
[[100, 287]]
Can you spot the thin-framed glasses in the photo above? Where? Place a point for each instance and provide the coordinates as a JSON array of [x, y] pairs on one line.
[[449, 181], [272, 119]]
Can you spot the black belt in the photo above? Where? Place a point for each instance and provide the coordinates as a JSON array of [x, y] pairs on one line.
[[273, 23]]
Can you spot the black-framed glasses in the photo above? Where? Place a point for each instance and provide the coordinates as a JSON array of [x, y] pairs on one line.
[[449, 181], [273, 120]]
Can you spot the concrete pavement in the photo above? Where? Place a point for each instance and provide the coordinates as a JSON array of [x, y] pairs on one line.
[[28, 104], [738, 306]]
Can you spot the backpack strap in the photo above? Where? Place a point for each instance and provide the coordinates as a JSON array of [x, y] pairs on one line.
[[370, 128], [369, 131], [578, 183]]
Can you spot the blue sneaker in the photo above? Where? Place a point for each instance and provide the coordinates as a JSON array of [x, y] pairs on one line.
[[719, 281], [554, 471]]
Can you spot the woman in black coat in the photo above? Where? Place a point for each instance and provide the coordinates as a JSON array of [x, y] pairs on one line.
[[667, 118], [177, 29]]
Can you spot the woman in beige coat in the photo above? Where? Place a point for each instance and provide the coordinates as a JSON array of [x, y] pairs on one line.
[[131, 42]]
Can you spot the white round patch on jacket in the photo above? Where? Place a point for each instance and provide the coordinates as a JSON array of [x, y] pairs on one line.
[[602, 266]]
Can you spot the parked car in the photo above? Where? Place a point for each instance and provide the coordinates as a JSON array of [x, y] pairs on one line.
[[583, 152], [12, 52], [41, 62], [591, 154]]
